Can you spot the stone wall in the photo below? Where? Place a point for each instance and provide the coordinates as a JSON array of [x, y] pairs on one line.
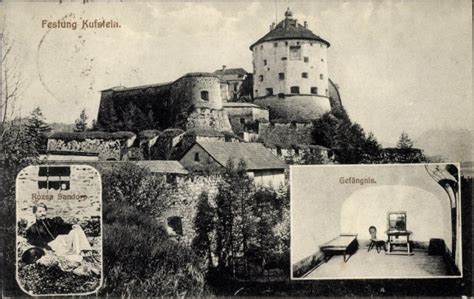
[[83, 183], [185, 198], [107, 149], [203, 118]]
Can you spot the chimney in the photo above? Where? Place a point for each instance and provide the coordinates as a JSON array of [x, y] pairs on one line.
[[272, 26], [305, 24], [223, 67]]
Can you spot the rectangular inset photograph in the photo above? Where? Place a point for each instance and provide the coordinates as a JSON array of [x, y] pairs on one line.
[[375, 221], [59, 230]]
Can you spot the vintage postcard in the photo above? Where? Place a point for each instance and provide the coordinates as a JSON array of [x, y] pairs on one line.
[[193, 114], [380, 221], [59, 230]]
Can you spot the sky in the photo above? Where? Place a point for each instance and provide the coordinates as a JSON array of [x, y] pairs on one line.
[[400, 65]]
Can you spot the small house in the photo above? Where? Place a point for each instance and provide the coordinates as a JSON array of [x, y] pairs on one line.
[[263, 166]]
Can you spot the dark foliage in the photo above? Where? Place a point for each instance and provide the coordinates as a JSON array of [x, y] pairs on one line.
[[348, 140]]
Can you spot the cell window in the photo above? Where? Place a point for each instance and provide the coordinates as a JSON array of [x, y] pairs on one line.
[[295, 89], [176, 224], [321, 76], [242, 121], [304, 75], [281, 95], [311, 44], [269, 91], [281, 76], [322, 59], [314, 90], [260, 78], [306, 59], [264, 62], [284, 58], [205, 95], [275, 45], [286, 43]]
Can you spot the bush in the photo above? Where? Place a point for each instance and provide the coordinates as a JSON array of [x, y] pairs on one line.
[[140, 259]]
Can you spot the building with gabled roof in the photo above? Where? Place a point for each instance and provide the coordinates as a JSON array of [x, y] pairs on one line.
[[262, 165]]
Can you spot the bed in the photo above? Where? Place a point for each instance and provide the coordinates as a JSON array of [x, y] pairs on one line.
[[343, 244]]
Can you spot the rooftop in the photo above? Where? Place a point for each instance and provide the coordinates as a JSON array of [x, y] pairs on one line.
[[234, 71], [289, 28], [162, 166], [255, 155]]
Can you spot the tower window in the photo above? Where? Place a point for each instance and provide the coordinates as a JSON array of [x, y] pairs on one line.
[[269, 91], [284, 58], [281, 76], [297, 43], [311, 44], [281, 95], [264, 62], [196, 157], [205, 95], [295, 52], [286, 43], [304, 75], [295, 89], [321, 76], [322, 59], [260, 78], [314, 90], [275, 45], [306, 59]]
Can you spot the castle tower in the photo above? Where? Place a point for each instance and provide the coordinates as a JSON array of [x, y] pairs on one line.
[[290, 72]]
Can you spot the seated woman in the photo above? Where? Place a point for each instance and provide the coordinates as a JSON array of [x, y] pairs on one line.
[[379, 244]]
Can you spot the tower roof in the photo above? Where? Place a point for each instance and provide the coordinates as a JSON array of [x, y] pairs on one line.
[[289, 28]]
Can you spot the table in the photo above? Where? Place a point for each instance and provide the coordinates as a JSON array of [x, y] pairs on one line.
[[399, 238], [344, 243]]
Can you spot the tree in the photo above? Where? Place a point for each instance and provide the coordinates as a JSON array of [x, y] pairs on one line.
[[234, 225], [404, 141], [81, 122], [37, 127], [204, 225], [347, 139]]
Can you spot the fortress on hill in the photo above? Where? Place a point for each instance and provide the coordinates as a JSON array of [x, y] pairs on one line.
[[289, 87]]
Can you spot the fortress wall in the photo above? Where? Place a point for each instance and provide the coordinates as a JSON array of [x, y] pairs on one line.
[[204, 118], [295, 108]]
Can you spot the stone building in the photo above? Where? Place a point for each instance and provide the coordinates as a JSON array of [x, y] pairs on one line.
[[231, 82], [291, 72], [264, 167], [192, 101]]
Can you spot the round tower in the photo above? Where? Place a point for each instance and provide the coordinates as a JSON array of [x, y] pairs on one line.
[[290, 71], [202, 89]]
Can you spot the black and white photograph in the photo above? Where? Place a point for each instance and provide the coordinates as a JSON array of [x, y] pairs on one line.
[[196, 116], [381, 221], [59, 230]]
